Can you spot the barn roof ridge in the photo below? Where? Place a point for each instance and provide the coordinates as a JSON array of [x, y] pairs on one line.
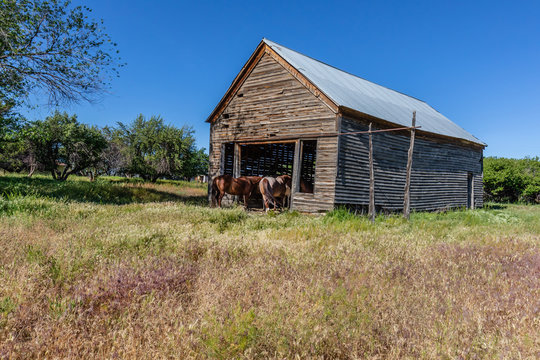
[[356, 93]]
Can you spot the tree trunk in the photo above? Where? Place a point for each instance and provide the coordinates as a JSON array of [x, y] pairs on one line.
[[32, 170], [65, 174]]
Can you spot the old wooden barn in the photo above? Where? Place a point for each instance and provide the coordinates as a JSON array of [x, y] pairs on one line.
[[282, 115]]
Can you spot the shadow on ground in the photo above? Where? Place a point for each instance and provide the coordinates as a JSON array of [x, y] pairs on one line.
[[493, 206], [100, 191]]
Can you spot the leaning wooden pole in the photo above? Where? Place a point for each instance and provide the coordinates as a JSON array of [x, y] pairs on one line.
[[371, 179], [407, 194]]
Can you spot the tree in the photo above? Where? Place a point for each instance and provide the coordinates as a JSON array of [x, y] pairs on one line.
[[12, 153], [511, 180], [197, 164], [63, 146], [113, 159], [47, 46], [11, 139], [154, 149]]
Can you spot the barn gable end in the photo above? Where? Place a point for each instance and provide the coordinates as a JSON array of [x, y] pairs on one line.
[[272, 103]]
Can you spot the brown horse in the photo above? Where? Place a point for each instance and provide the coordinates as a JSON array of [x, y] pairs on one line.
[[271, 188], [226, 184]]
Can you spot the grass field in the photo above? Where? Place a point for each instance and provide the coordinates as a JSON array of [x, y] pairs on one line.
[[123, 269]]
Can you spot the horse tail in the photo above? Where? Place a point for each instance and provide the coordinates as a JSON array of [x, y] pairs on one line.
[[215, 191], [267, 192]]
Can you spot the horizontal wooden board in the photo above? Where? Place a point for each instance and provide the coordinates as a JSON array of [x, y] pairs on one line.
[[439, 178]]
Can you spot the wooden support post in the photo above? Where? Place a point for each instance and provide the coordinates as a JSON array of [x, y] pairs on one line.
[[236, 168], [236, 163], [371, 179], [296, 173], [407, 193]]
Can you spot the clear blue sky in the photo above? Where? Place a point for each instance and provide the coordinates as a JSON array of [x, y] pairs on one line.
[[477, 62]]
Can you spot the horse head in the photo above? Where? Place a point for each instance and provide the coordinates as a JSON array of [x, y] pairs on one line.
[[286, 179]]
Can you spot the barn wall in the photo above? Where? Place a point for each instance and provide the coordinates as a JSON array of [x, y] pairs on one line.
[[322, 198], [274, 103], [439, 172]]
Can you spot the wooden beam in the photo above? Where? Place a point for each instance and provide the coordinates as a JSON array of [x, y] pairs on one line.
[[236, 164], [296, 172], [371, 179], [357, 115], [313, 136], [236, 168], [257, 142], [407, 191]]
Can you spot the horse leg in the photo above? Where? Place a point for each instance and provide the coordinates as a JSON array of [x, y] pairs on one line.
[[213, 193], [266, 205], [220, 197], [246, 197]]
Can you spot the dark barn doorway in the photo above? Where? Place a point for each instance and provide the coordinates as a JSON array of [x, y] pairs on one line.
[[228, 159], [266, 159], [272, 159], [269, 159], [308, 156], [470, 191]]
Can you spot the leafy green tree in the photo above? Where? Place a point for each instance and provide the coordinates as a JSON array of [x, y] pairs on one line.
[[63, 146], [197, 164], [512, 180], [49, 46], [113, 159], [154, 149], [11, 139], [12, 152]]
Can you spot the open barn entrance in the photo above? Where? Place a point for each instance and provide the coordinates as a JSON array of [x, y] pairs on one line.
[[272, 159], [266, 159]]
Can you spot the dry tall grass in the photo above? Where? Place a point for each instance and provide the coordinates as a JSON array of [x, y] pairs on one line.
[[173, 279]]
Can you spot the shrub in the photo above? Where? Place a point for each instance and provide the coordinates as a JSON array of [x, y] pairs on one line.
[[512, 180]]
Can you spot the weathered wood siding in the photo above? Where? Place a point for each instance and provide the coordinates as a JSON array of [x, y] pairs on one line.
[[439, 175], [322, 198], [273, 103]]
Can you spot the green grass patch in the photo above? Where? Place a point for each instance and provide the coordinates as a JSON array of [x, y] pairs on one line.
[[118, 261]]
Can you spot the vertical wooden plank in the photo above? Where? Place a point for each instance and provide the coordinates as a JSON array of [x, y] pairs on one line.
[[236, 163], [236, 167], [407, 191], [371, 179], [296, 172]]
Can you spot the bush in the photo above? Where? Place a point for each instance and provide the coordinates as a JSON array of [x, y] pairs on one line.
[[512, 180]]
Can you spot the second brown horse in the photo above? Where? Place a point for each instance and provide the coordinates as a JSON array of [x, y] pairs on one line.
[[272, 188], [226, 184]]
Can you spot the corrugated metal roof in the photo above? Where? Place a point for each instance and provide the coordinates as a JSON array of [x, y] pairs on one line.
[[362, 95]]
